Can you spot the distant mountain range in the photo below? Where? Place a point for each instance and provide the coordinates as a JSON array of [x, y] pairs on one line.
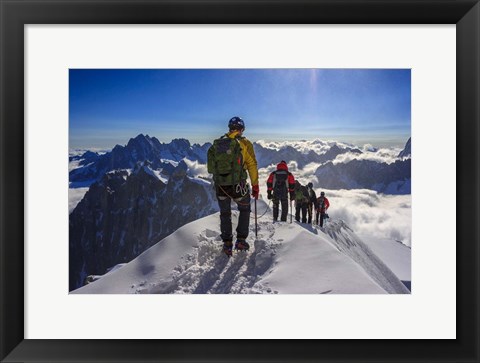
[[366, 174], [163, 156], [266, 157], [139, 149], [394, 178]]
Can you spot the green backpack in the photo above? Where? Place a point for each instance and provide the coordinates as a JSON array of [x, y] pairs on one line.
[[225, 161], [301, 194]]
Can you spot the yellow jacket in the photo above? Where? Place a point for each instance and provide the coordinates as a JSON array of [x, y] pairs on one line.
[[248, 154]]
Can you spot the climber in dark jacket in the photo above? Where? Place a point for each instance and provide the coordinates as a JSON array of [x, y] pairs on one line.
[[301, 202], [312, 202]]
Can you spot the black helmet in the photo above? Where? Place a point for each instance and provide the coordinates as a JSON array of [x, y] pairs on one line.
[[236, 123], [322, 194], [310, 185]]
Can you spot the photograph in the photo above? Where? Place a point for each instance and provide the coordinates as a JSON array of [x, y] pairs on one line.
[[240, 181]]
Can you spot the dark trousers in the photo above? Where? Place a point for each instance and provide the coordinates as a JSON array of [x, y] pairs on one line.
[[310, 212], [301, 207], [276, 203], [225, 194], [322, 217]]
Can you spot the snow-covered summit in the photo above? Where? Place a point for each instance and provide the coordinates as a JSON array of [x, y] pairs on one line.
[[284, 259]]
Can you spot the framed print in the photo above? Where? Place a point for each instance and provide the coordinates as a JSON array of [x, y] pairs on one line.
[[179, 172], [121, 101]]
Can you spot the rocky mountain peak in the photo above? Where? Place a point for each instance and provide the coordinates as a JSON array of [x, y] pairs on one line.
[[180, 144], [407, 150]]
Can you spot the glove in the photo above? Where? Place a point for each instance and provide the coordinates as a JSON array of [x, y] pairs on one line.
[[292, 195], [269, 194], [255, 191]]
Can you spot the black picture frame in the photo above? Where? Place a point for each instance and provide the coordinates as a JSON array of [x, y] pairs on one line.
[[15, 14]]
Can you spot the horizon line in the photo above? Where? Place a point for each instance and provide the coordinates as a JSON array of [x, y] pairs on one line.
[[377, 141]]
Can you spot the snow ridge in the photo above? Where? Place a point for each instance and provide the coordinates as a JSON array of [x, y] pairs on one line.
[[284, 259], [350, 244]]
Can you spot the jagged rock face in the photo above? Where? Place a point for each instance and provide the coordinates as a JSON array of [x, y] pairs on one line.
[[138, 149], [266, 157], [123, 215], [407, 150], [385, 178]]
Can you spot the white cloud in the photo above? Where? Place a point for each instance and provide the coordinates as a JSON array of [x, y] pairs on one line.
[[74, 197], [388, 156], [369, 147], [367, 212], [195, 169], [77, 152], [293, 166], [304, 146]]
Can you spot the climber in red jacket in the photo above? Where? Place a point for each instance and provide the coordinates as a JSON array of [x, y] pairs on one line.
[[280, 184]]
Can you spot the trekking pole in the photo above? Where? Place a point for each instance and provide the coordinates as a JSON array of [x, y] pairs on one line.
[[291, 211], [256, 226]]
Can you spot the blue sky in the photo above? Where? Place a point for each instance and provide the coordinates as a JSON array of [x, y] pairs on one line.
[[108, 107]]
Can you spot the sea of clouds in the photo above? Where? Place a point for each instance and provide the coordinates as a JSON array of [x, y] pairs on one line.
[[369, 152], [388, 156], [370, 213], [304, 146]]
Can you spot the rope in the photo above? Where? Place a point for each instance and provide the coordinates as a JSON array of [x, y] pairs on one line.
[[266, 210], [232, 198]]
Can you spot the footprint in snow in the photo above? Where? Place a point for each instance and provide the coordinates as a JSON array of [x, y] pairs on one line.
[[209, 233]]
